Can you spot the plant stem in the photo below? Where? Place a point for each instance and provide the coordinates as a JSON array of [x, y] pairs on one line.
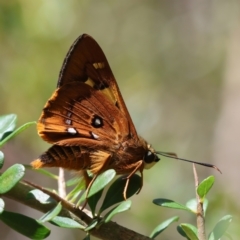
[[200, 211], [61, 183]]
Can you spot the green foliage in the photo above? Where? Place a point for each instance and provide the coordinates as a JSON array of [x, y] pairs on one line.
[[162, 226], [124, 206], [27, 226], [65, 222], [51, 214], [115, 192], [113, 199], [220, 228], [113, 196], [40, 196], [204, 187], [170, 204], [101, 181], [187, 230], [11, 177], [7, 125]]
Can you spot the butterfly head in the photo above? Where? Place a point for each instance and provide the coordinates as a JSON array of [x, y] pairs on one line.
[[150, 157]]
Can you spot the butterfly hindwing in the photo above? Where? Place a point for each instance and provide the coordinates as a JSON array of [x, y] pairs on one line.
[[77, 114]]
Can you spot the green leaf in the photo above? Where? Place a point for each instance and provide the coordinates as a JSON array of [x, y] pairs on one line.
[[76, 191], [124, 206], [7, 124], [16, 132], [101, 181], [66, 222], [42, 171], [92, 225], [192, 204], [25, 225], [115, 192], [93, 200], [11, 177], [188, 231], [2, 205], [220, 228], [1, 159], [40, 196], [205, 186], [162, 226], [170, 204], [51, 214], [73, 181]]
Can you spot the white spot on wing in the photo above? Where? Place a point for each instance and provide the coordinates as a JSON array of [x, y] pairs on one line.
[[68, 121], [98, 121], [95, 136], [72, 131], [69, 114]]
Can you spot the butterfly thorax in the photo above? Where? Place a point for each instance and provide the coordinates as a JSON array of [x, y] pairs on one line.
[[131, 156]]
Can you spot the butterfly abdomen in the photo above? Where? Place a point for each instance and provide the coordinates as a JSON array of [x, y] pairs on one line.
[[66, 157]]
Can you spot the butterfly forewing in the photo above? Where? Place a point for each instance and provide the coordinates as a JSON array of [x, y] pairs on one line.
[[86, 62]]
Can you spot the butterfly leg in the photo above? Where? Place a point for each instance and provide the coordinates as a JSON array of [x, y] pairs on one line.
[[101, 161], [137, 166], [89, 184]]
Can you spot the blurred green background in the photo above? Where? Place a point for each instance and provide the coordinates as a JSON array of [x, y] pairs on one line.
[[177, 65]]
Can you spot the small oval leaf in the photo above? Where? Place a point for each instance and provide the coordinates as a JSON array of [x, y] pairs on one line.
[[7, 124], [162, 226], [124, 206], [1, 159], [204, 187], [92, 225], [170, 204], [40, 196], [101, 181], [93, 200], [73, 195], [73, 181], [220, 228], [11, 177], [65, 222], [192, 204], [16, 132], [115, 192], [25, 225], [188, 231], [51, 214], [2, 205]]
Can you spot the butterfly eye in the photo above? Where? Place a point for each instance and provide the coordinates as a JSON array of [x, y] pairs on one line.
[[150, 157]]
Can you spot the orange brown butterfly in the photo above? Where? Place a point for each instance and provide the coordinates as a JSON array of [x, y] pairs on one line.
[[88, 123]]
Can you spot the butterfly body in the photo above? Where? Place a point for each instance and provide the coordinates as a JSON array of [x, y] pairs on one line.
[[87, 121]]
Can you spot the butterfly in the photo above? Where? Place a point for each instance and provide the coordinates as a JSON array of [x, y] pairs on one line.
[[87, 120]]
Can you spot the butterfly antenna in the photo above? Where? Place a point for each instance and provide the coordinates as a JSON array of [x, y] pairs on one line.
[[174, 156]]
